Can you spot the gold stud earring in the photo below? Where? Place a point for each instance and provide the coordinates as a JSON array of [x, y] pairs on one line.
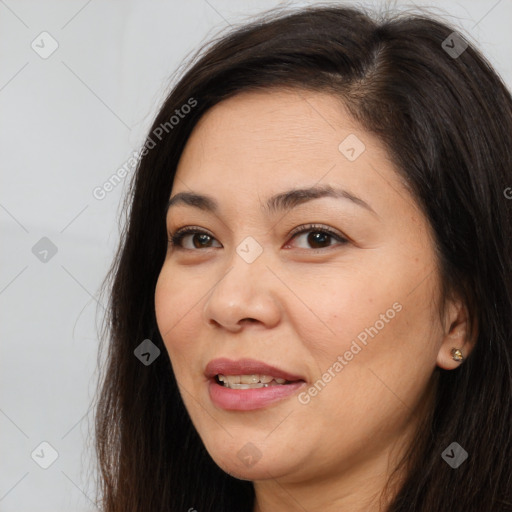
[[457, 355]]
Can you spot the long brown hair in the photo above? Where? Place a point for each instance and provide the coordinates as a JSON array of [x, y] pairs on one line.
[[446, 121]]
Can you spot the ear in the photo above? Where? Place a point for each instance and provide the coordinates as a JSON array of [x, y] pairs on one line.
[[456, 335]]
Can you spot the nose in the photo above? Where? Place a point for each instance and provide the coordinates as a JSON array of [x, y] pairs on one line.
[[246, 293]]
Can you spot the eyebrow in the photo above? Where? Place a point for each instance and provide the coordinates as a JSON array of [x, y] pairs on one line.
[[283, 201]]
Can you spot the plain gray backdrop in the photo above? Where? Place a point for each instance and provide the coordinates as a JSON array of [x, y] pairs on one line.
[[80, 82]]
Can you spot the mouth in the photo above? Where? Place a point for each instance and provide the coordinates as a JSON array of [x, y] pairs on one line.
[[248, 384]]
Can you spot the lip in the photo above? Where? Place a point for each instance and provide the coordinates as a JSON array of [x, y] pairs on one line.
[[246, 367], [248, 399]]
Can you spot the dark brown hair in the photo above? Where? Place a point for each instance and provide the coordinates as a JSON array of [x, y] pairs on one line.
[[446, 122]]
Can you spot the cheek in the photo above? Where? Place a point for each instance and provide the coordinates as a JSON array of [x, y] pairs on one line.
[[172, 304], [347, 309], [164, 304], [374, 325]]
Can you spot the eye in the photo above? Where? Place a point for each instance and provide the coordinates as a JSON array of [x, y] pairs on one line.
[[202, 241], [318, 236]]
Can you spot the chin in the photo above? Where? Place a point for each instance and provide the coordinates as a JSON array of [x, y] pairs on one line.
[[247, 464], [259, 471]]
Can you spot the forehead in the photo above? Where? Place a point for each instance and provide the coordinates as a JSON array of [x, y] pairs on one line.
[[278, 133], [258, 143]]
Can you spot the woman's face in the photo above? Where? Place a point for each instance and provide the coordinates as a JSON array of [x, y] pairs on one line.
[[351, 315]]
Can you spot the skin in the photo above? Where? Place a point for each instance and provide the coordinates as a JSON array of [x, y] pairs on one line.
[[299, 306]]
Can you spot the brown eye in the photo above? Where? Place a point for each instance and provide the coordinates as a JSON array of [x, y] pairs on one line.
[[200, 239], [318, 237]]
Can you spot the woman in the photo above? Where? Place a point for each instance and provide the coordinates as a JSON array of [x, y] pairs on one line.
[[311, 303]]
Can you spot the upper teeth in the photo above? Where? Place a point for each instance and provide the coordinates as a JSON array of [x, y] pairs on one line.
[[249, 379]]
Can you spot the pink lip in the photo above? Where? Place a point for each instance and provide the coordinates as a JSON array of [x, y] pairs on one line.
[[248, 399], [246, 367]]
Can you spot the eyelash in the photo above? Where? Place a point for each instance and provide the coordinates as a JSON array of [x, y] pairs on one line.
[[176, 237]]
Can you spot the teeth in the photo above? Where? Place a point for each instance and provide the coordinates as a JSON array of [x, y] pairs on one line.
[[231, 379], [253, 381], [247, 386], [249, 379]]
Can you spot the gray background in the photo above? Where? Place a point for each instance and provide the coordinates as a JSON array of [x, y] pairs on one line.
[[67, 123]]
